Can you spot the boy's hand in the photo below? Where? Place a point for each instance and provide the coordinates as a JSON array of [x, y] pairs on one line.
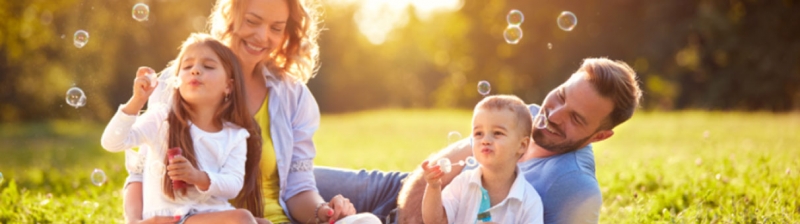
[[180, 168], [433, 174]]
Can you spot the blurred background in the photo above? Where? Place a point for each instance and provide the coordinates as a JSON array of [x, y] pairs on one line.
[[714, 142], [709, 54]]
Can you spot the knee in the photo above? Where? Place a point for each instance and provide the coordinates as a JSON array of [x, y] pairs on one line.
[[241, 216]]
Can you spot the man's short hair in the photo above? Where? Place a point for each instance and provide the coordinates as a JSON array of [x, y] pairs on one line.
[[616, 81], [513, 104]]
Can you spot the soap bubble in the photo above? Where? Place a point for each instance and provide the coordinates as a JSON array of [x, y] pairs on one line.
[[540, 121], [515, 17], [484, 87], [98, 177], [81, 37], [444, 165], [75, 97], [141, 12], [512, 34], [567, 21], [471, 161], [549, 46], [453, 137]]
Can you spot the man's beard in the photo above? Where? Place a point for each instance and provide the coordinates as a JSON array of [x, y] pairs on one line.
[[568, 146]]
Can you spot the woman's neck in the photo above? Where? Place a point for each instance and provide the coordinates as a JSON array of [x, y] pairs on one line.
[[204, 118]]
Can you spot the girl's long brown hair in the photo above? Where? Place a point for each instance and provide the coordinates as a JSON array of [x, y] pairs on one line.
[[233, 110]]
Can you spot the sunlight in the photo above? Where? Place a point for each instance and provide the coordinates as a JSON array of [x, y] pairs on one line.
[[377, 18]]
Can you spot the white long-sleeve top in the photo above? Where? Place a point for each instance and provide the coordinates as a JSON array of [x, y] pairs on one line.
[[221, 155]]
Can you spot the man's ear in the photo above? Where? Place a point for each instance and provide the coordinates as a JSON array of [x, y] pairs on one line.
[[602, 135]]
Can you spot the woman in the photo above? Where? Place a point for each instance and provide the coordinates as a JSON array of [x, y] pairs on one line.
[[275, 41]]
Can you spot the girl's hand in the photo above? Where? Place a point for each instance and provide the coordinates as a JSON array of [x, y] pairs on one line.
[[339, 207], [145, 83], [433, 174], [143, 86], [180, 168]]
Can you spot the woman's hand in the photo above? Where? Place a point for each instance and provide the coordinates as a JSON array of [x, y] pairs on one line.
[[180, 168], [156, 220], [339, 207], [432, 174]]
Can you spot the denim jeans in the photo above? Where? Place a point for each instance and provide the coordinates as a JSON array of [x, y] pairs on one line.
[[374, 191]]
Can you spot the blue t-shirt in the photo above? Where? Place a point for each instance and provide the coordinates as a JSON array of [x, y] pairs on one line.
[[567, 184]]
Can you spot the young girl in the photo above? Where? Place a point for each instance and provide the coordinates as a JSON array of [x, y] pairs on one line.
[[209, 121]]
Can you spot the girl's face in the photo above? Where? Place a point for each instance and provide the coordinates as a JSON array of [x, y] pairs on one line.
[[262, 31], [203, 78]]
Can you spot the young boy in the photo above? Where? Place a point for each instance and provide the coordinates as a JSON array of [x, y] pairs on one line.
[[496, 191]]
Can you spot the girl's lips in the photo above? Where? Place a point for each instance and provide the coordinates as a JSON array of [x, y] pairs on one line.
[[195, 83], [486, 150]]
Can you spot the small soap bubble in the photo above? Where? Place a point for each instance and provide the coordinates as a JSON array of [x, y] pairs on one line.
[[567, 21], [471, 161], [549, 46], [75, 97], [153, 79], [512, 34], [98, 177], [444, 165], [63, 36], [141, 12], [540, 121], [80, 39], [484, 87], [515, 17], [453, 137]]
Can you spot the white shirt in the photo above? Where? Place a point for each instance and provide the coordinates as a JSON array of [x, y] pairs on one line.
[[462, 198], [221, 155]]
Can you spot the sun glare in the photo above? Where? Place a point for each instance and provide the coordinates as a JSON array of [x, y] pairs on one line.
[[377, 18]]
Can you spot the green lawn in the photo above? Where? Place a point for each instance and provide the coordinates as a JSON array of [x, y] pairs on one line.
[[659, 167]]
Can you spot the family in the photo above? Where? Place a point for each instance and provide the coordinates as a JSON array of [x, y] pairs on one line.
[[227, 138]]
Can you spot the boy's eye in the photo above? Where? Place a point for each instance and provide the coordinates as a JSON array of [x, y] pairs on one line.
[[251, 22], [277, 29], [478, 133], [498, 133]]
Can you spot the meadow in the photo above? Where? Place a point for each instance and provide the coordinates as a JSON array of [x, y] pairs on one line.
[[659, 167]]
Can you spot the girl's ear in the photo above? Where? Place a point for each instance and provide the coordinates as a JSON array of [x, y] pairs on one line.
[[229, 87]]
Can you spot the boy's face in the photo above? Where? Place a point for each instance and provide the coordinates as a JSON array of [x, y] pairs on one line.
[[496, 139]]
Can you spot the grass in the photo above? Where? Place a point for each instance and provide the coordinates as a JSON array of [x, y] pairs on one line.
[[681, 167]]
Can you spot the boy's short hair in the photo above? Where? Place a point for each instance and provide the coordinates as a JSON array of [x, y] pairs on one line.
[[515, 105]]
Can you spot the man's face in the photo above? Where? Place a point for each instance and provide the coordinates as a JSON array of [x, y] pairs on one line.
[[575, 113]]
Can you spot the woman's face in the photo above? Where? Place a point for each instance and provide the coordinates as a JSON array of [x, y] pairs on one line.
[[262, 30]]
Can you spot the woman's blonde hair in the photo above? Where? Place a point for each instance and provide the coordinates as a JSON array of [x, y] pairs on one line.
[[298, 55], [233, 110]]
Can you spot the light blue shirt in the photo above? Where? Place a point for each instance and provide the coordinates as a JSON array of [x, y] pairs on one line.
[[294, 117], [566, 183]]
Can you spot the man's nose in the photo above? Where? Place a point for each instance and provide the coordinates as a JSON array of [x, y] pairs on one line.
[[556, 115]]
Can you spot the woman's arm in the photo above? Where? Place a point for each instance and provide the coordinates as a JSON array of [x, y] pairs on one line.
[[132, 202]]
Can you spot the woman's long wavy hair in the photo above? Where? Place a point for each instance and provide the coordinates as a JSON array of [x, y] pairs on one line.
[[299, 54], [233, 110]]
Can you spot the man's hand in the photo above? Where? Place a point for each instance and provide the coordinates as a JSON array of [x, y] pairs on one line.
[[433, 174]]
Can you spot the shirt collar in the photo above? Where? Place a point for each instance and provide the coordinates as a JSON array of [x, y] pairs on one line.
[[517, 188]]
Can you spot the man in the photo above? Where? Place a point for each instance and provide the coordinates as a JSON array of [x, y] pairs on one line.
[[559, 164]]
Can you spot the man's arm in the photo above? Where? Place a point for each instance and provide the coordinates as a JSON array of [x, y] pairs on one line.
[[409, 200]]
